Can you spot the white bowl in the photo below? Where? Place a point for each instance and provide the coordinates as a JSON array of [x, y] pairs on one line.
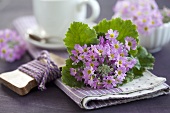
[[159, 37]]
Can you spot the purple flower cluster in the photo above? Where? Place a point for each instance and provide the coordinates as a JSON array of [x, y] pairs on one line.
[[12, 47], [144, 13], [106, 64]]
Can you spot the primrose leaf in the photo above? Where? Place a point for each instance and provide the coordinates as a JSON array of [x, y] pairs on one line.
[[124, 27], [146, 59], [138, 72], [129, 77], [79, 33], [67, 78]]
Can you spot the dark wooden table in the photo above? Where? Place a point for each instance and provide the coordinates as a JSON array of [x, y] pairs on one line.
[[53, 100]]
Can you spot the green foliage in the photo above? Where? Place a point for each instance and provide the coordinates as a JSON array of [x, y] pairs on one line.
[[125, 28], [146, 59], [79, 33], [67, 78]]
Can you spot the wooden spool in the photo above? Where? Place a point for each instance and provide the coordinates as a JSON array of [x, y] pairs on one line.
[[22, 83]]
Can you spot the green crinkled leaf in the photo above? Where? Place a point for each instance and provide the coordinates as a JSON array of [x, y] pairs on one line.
[[124, 27], [137, 65], [133, 74], [79, 33], [138, 72], [129, 77], [146, 59], [133, 52], [67, 78]]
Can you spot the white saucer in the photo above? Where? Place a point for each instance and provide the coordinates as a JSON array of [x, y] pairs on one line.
[[56, 45], [36, 31]]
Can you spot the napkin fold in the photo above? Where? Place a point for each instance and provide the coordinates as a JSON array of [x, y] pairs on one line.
[[147, 86]]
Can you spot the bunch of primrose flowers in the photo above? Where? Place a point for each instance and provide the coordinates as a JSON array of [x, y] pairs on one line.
[[106, 64], [144, 13], [12, 47]]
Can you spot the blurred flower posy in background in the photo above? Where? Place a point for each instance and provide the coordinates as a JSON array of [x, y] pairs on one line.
[[144, 13], [12, 46]]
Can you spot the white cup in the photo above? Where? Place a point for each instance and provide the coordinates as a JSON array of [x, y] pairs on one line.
[[55, 16]]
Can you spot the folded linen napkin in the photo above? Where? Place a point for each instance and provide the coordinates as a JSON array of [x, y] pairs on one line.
[[148, 86]]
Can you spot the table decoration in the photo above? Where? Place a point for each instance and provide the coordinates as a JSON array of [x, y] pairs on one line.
[[153, 32], [12, 46], [106, 56], [107, 66]]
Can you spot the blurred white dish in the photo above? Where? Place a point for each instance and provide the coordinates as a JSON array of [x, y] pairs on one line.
[[52, 43], [159, 37], [49, 45]]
